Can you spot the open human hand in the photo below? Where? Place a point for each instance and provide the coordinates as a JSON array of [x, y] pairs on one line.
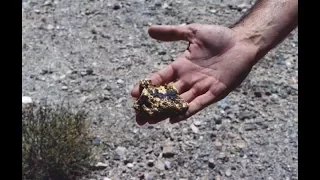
[[215, 62]]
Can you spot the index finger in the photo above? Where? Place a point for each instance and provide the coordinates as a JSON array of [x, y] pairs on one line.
[[163, 76]]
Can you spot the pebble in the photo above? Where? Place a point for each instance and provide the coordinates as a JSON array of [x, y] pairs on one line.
[[211, 163], [168, 151], [240, 144], [64, 87], [26, 100], [167, 165], [50, 27], [150, 163], [116, 7], [120, 81], [197, 122], [130, 165], [105, 178], [149, 176], [218, 145], [274, 97], [250, 127], [213, 11], [218, 121], [244, 115], [165, 5], [101, 165], [258, 94], [228, 172], [194, 128], [159, 165], [97, 140], [120, 150]]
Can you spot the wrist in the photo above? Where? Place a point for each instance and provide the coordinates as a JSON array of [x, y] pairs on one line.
[[252, 40]]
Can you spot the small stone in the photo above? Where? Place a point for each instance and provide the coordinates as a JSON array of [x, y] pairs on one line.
[[64, 87], [96, 140], [37, 11], [149, 176], [105, 178], [157, 4], [197, 123], [218, 121], [26, 100], [116, 157], [165, 5], [211, 163], [274, 97], [159, 165], [150, 163], [217, 177], [116, 7], [240, 144], [89, 71], [121, 150], [120, 81], [250, 127], [218, 145], [101, 165], [258, 94], [221, 155], [62, 77], [228, 172], [130, 165], [50, 27], [166, 58], [149, 150], [213, 11], [194, 128], [77, 91], [167, 165], [244, 115], [168, 151], [162, 53]]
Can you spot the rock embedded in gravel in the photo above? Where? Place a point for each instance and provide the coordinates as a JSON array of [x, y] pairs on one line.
[[159, 165], [250, 127], [228, 173], [26, 100], [167, 165], [197, 122], [211, 163], [130, 165], [168, 151], [101, 165], [64, 88], [194, 128], [116, 6], [120, 81], [50, 27], [150, 163]]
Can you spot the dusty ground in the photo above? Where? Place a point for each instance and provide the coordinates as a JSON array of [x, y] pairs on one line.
[[92, 52]]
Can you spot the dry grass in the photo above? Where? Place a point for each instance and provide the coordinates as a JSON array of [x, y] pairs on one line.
[[56, 143]]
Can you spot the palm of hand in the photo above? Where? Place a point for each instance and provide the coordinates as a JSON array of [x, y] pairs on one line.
[[212, 66]]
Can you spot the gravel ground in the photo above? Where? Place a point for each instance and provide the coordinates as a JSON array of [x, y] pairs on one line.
[[93, 52]]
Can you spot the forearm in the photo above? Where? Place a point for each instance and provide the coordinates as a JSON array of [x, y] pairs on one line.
[[267, 24]]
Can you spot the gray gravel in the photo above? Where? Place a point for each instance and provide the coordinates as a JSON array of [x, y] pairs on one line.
[[93, 52]]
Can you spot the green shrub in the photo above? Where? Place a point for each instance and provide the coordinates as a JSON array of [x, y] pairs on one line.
[[56, 143]]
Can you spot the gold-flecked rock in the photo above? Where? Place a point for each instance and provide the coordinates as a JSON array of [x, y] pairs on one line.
[[159, 100]]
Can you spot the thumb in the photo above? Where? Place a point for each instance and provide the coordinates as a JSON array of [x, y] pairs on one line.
[[171, 32]]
